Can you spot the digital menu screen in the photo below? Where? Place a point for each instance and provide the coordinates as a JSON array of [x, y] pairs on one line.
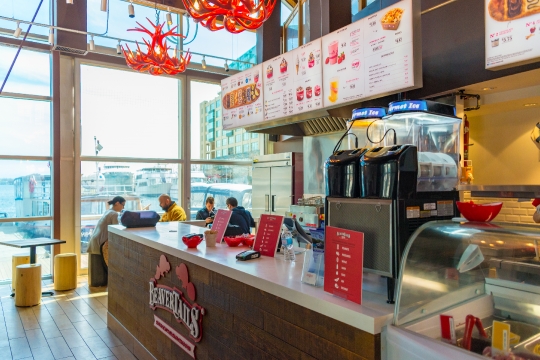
[[242, 98], [512, 37], [279, 90], [307, 75]]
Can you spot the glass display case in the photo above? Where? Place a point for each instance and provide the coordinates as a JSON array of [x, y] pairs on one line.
[[488, 270]]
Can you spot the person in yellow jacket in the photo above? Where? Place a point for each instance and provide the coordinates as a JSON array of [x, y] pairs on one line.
[[173, 211]]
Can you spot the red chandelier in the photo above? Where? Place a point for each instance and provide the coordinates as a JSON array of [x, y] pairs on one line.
[[157, 60], [233, 15]]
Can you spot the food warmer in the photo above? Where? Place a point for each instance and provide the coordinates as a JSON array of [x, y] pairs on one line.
[[488, 270]]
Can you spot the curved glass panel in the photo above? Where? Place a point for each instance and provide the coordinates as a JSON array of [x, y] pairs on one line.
[[447, 263]]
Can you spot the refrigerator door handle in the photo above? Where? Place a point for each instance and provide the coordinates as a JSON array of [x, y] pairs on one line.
[[273, 203], [266, 202]]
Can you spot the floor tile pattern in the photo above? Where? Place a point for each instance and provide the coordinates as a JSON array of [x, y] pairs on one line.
[[69, 325]]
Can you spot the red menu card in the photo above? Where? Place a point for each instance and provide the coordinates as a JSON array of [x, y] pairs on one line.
[[343, 263], [221, 220], [268, 234]]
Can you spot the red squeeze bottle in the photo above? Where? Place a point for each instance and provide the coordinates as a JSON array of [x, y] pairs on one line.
[[480, 328], [470, 321]]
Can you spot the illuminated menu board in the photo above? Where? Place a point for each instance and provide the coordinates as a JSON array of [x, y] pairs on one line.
[[373, 57], [343, 65], [242, 98], [512, 36], [307, 77], [279, 90]]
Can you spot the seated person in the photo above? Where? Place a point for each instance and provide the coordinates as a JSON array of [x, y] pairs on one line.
[[173, 211], [241, 221], [208, 212]]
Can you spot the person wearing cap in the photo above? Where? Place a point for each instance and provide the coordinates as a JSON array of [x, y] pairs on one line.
[[98, 248], [173, 211]]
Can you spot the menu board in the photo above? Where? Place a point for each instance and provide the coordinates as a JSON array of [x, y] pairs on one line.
[[307, 77], [388, 49], [279, 90], [512, 37], [242, 98], [343, 65], [343, 263], [221, 220], [268, 233]]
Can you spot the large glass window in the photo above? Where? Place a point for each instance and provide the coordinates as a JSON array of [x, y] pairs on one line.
[[121, 119], [130, 114], [25, 147]]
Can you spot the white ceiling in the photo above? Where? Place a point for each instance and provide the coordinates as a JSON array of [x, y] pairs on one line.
[[505, 94]]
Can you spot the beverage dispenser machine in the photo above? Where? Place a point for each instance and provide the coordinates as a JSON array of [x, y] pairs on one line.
[[407, 177]]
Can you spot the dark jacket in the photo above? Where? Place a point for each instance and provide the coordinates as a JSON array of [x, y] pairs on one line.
[[240, 223], [203, 214]]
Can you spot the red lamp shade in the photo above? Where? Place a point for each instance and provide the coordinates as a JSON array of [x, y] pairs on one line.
[[156, 60], [233, 15]]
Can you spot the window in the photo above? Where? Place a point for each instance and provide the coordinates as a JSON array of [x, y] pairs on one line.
[[137, 120], [254, 136], [231, 140], [254, 146], [238, 149], [103, 97], [25, 147], [218, 153], [22, 10], [246, 136], [238, 138], [246, 148]]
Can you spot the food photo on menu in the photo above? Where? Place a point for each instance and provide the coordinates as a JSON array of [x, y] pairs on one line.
[[391, 20]]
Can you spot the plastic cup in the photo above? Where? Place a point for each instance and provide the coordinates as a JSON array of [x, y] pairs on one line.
[[210, 239], [333, 52]]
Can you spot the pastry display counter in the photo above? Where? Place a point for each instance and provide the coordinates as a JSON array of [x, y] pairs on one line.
[[241, 310], [488, 271]]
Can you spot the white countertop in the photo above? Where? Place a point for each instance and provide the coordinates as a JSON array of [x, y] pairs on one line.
[[273, 275]]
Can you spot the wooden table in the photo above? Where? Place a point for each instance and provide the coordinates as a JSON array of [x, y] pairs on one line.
[[32, 244]]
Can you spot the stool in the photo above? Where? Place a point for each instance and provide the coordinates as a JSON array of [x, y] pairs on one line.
[[65, 271], [28, 280], [17, 259]]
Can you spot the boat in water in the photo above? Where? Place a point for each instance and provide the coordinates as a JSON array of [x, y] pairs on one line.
[[118, 179], [154, 181]]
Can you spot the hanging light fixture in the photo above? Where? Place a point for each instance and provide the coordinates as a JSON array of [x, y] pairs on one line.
[[118, 48], [234, 16], [51, 36], [226, 66], [69, 1], [169, 17], [156, 60], [131, 10], [203, 62], [91, 44], [104, 5], [18, 30]]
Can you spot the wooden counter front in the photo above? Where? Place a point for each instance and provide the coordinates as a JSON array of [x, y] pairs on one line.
[[240, 321]]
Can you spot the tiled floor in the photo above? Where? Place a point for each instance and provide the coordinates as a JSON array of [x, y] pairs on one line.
[[70, 325]]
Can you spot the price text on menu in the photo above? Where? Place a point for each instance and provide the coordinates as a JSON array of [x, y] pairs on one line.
[[512, 37], [268, 234], [343, 263]]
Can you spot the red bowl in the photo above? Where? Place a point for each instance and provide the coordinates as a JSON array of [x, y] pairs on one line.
[[248, 241], [193, 241], [479, 212], [233, 241]]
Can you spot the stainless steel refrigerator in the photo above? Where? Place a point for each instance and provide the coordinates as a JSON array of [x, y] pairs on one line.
[[278, 182]]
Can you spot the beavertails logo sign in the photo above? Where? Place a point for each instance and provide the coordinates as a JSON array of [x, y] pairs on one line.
[[188, 313]]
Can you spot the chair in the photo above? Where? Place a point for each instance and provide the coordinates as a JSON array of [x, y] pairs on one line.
[[65, 271], [17, 259], [28, 284]]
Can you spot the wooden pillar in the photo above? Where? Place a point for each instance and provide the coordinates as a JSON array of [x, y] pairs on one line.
[[269, 36]]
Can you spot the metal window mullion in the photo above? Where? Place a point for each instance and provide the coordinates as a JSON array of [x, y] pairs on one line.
[[27, 219], [129, 160], [25, 157], [25, 96]]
